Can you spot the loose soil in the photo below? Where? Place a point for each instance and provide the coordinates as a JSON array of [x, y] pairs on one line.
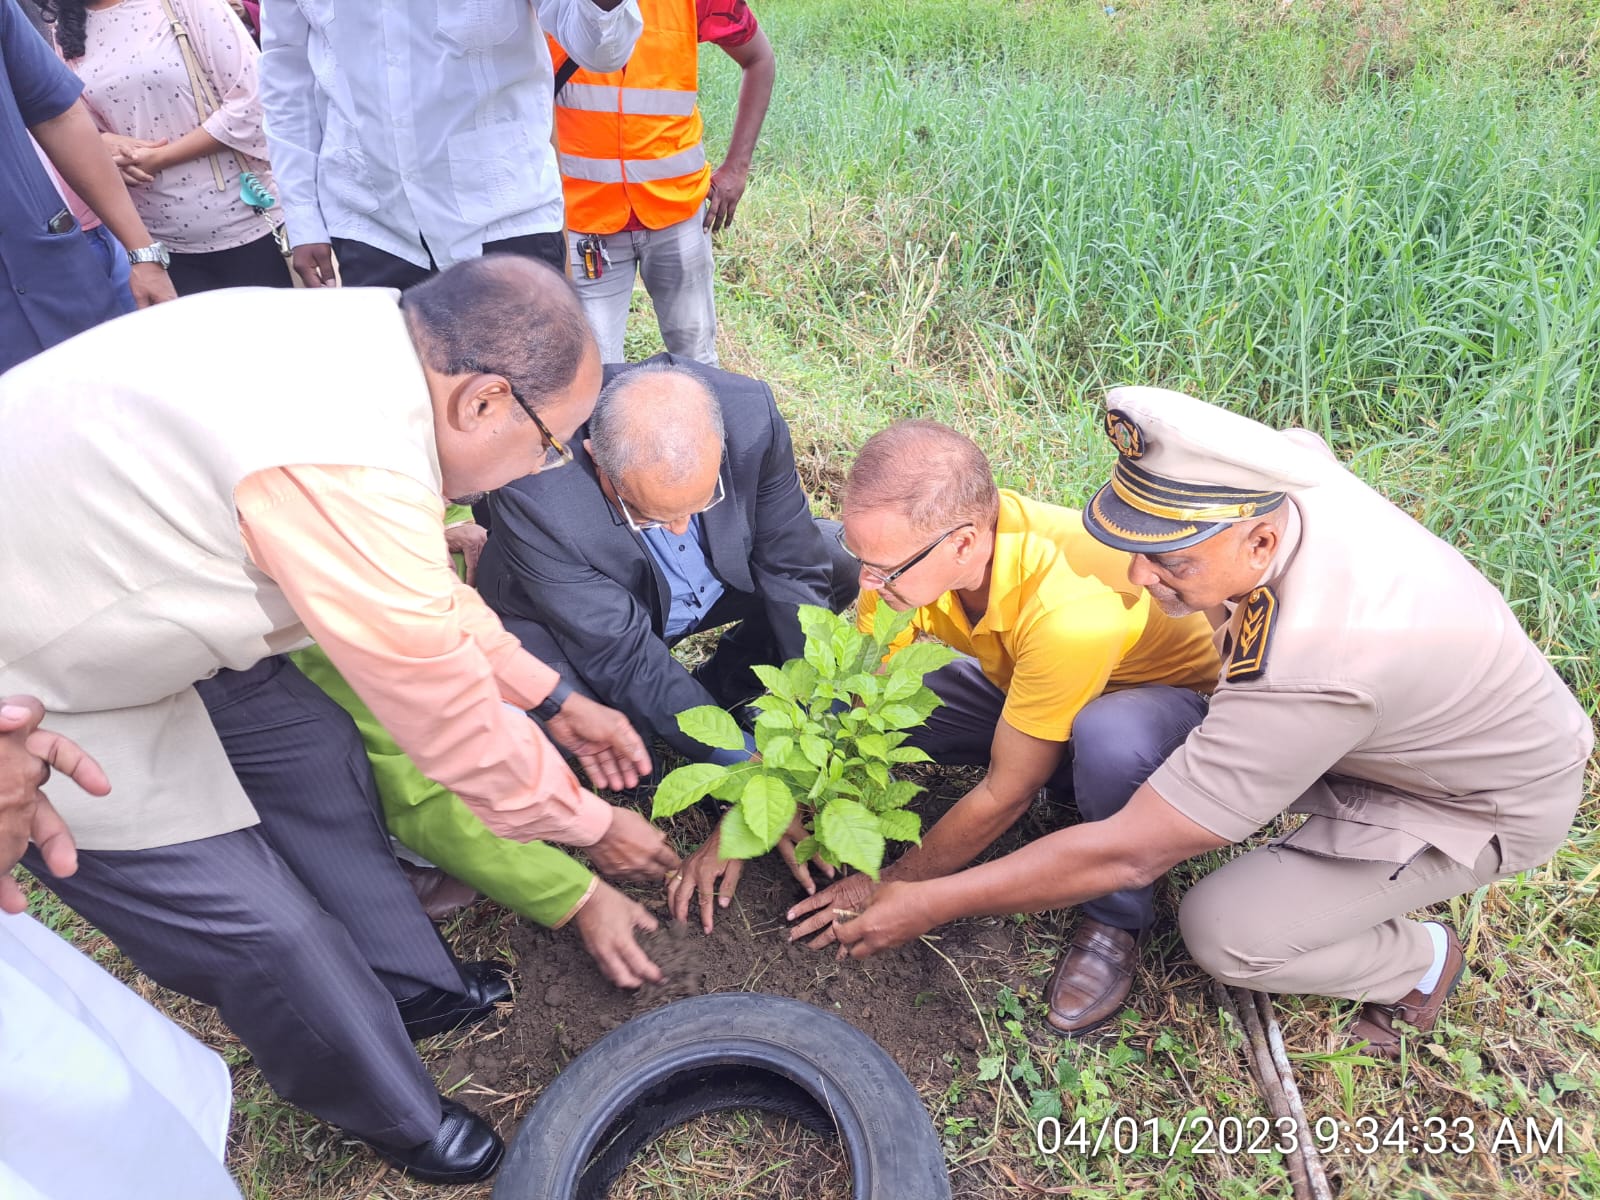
[[919, 1002], [910, 1000]]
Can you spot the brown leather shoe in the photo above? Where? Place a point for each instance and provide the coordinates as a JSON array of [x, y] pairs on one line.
[[1093, 978], [439, 894], [1375, 1023]]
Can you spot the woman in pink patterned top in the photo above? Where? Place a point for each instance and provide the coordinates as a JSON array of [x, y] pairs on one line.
[[136, 84]]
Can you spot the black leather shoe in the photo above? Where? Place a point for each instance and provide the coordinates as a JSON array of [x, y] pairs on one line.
[[438, 1011], [464, 1150]]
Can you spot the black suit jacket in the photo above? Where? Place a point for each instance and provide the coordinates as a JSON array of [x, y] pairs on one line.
[[561, 555]]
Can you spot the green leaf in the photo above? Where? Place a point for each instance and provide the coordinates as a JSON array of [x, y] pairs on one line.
[[901, 825], [908, 754], [731, 786], [815, 750], [922, 701], [899, 793], [683, 787], [735, 839], [817, 623], [850, 831], [898, 687], [847, 646], [877, 772], [711, 726], [903, 716], [888, 624], [777, 750], [802, 677], [768, 806], [775, 722], [774, 680], [807, 850], [921, 657], [863, 685], [872, 745]]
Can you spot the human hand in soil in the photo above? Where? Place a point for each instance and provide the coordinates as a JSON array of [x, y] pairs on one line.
[[895, 915], [633, 850], [844, 898], [612, 754], [702, 869], [607, 923]]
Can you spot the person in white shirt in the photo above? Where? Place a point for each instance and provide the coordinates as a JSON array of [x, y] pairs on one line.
[[102, 1095], [412, 135]]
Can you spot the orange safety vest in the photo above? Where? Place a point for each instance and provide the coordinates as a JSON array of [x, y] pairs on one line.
[[630, 140]]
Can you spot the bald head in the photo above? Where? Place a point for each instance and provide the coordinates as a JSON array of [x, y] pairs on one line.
[[926, 472], [657, 427], [506, 315]]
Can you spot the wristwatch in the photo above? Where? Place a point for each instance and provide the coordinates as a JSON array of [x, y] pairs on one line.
[[551, 704], [155, 252]]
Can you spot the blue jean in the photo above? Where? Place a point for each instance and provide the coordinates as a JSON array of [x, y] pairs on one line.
[[1118, 740], [114, 258]]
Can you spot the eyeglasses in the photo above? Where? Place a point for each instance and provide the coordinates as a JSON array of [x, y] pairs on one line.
[[637, 526], [555, 453], [885, 577]]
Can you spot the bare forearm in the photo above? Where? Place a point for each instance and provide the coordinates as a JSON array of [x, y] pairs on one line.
[[1059, 870], [755, 95], [958, 837], [197, 143], [72, 144]]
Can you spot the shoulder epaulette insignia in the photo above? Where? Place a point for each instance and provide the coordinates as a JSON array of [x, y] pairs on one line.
[[1255, 635]]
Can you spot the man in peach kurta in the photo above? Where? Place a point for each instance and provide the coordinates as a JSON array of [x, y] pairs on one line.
[[207, 530]]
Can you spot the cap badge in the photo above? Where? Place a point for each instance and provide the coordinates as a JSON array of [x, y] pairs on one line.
[[1255, 635], [1125, 435]]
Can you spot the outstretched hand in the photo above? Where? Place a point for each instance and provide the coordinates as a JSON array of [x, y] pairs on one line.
[[611, 753], [632, 849], [841, 901], [705, 867], [607, 922], [897, 914]]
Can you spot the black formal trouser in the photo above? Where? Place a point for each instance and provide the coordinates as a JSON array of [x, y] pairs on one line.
[[727, 674], [301, 930], [1118, 740], [255, 264], [361, 265]]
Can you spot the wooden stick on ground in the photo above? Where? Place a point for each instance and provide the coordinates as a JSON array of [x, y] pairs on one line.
[[1239, 1004], [1316, 1176]]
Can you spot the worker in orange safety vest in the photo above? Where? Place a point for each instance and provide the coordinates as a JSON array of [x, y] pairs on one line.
[[641, 197]]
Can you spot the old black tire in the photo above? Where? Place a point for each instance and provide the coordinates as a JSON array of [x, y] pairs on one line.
[[739, 1049]]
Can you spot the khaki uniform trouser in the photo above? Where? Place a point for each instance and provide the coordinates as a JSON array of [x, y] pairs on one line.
[[1283, 920]]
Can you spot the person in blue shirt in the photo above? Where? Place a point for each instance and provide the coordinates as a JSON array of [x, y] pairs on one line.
[[51, 284]]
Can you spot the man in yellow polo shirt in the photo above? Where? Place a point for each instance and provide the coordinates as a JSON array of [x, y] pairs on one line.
[[1074, 680]]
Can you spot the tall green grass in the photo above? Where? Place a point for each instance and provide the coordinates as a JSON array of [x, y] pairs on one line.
[[1381, 223]]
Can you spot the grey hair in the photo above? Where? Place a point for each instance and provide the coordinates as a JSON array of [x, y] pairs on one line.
[[658, 417]]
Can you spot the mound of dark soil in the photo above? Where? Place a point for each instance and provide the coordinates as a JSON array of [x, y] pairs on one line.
[[911, 1000]]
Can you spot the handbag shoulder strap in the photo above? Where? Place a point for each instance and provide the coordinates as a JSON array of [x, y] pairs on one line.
[[205, 99]]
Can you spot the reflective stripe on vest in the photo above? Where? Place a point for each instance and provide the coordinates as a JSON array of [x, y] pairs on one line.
[[641, 102], [641, 170], [629, 141]]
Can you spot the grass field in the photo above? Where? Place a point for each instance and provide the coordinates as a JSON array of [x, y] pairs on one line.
[[1380, 220]]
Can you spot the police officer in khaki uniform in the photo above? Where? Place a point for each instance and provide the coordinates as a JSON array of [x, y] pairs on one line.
[[1371, 678]]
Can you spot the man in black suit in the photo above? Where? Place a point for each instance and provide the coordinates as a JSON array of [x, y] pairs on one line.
[[683, 513]]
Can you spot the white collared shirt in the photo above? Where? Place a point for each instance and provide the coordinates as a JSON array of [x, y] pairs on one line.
[[394, 122]]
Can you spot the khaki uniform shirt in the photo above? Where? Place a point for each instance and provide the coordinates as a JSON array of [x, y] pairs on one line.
[[1396, 699]]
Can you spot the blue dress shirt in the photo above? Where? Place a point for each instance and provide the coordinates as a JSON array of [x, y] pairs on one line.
[[682, 559]]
